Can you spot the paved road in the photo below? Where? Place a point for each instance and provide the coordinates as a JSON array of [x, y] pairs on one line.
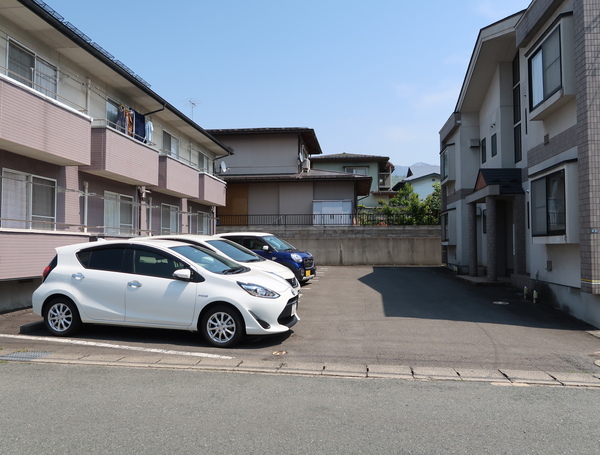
[[364, 322], [96, 410]]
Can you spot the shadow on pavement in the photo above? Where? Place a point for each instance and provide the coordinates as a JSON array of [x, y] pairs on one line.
[[436, 293]]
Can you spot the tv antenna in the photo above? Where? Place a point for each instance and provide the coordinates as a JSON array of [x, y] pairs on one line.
[[193, 103]]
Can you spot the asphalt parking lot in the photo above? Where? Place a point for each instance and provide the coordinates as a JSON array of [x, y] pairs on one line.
[[361, 321]]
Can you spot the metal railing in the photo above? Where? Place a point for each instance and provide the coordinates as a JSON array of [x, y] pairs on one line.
[[304, 219]]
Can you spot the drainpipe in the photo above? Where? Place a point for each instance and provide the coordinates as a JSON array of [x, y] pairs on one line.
[[85, 206]]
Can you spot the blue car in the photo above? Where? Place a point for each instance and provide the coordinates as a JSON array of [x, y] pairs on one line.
[[272, 247]]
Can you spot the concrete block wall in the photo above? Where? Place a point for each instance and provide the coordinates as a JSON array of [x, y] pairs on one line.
[[361, 245]]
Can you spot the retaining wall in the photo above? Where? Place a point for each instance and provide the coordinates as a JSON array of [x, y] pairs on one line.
[[358, 245]]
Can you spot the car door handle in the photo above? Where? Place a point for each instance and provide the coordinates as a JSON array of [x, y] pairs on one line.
[[134, 284], [78, 276]]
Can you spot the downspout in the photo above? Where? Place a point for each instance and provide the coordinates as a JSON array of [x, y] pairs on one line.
[[85, 206]]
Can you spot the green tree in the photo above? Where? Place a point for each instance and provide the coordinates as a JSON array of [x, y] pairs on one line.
[[407, 209]]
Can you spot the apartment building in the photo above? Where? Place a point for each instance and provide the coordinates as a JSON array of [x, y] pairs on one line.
[[87, 149], [520, 157]]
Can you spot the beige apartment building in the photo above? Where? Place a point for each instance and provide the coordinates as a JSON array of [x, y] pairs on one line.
[[87, 150], [520, 157]]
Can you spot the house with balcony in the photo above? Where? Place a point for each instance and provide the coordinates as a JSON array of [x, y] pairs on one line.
[[271, 181], [87, 149], [520, 158], [379, 168]]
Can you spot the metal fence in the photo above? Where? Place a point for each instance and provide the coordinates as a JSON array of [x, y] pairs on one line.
[[333, 219]]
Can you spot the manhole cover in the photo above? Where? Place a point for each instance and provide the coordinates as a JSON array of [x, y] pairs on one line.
[[25, 356]]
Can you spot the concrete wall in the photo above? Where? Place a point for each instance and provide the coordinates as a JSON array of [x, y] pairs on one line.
[[354, 245]]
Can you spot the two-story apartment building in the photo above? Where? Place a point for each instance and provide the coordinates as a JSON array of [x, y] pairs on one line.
[[379, 168], [520, 157], [87, 149], [271, 181]]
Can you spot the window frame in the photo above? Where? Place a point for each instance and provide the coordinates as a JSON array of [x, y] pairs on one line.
[[173, 149], [539, 88], [40, 80], [173, 212], [542, 203], [27, 206], [121, 201], [483, 150]]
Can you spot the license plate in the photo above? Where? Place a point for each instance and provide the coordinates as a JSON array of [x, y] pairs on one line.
[[293, 311], [307, 273]]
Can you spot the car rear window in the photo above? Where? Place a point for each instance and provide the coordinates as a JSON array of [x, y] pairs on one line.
[[110, 259]]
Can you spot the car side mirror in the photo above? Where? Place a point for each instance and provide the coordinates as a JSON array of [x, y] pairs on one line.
[[266, 248], [183, 274]]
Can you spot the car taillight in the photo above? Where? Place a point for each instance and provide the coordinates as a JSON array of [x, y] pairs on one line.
[[49, 269]]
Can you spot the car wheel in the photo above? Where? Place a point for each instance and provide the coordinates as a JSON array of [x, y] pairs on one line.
[[222, 326], [61, 317]]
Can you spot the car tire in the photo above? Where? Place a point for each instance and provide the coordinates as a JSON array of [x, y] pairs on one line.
[[61, 317], [222, 326]]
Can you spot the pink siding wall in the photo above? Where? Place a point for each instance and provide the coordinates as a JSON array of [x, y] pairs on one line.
[[177, 179], [41, 128], [122, 158], [25, 255], [212, 191]]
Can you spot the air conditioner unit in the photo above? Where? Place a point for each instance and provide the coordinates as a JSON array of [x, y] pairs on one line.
[[306, 165]]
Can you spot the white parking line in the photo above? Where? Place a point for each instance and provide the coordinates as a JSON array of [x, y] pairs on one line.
[[117, 346]]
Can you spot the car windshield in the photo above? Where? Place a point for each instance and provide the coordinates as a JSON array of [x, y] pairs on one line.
[[209, 260], [278, 244], [234, 251]]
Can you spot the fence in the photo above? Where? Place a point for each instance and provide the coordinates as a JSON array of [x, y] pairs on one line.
[[308, 219]]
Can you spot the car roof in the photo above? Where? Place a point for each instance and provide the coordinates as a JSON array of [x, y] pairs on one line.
[[164, 243], [258, 234], [180, 236]]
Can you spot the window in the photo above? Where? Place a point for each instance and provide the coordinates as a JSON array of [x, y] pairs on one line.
[[108, 259], [170, 144], [204, 223], [494, 144], [28, 201], [444, 164], [518, 149], [548, 205], [118, 214], [169, 219], [357, 170], [483, 150], [155, 264], [112, 113], [25, 67], [545, 70]]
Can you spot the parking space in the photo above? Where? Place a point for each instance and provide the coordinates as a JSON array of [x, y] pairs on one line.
[[402, 317]]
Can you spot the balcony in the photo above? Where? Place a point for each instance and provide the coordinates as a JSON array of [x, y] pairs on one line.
[[61, 135], [211, 190], [121, 158], [177, 179]]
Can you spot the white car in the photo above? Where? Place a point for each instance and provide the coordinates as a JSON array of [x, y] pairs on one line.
[[162, 284], [236, 252]]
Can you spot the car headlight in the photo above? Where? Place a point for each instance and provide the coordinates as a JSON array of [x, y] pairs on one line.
[[258, 291], [296, 257]]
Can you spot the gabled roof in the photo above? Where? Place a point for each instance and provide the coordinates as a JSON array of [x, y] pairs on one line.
[[362, 182], [384, 161], [307, 135], [508, 180], [417, 172], [350, 157]]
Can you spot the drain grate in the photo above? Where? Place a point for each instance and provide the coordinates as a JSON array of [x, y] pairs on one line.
[[25, 356]]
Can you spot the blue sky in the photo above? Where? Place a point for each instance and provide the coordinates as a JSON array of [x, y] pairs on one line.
[[377, 78]]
